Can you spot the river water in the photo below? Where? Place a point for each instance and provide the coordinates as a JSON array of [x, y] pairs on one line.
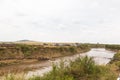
[[100, 56]]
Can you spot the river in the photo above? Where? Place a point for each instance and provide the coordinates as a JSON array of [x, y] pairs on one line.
[[100, 56]]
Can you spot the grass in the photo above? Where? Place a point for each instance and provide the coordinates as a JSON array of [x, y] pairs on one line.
[[20, 52], [23, 51], [14, 77], [80, 69], [116, 62]]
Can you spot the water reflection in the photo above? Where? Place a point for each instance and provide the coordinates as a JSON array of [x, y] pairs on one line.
[[100, 55]]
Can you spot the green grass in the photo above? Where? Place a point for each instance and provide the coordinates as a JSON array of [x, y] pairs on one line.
[[116, 57], [80, 69], [14, 77], [116, 61]]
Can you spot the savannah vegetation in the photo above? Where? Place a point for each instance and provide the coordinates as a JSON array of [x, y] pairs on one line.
[[113, 47], [16, 55], [23, 51], [81, 69], [115, 62]]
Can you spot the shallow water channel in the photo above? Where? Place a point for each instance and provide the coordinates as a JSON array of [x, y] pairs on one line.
[[100, 56]]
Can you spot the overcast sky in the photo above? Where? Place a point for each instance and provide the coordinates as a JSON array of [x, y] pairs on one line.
[[60, 20]]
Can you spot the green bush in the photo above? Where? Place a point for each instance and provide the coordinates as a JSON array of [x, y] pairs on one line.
[[116, 60], [117, 56], [26, 49], [80, 69], [112, 47]]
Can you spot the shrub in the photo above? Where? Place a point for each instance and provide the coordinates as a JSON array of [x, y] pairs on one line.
[[112, 47], [26, 49], [117, 56], [80, 69]]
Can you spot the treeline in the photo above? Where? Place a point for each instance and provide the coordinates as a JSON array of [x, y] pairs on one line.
[[23, 51], [97, 45], [113, 47]]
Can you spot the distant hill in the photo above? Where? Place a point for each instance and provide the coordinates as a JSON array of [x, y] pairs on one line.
[[25, 41], [30, 42]]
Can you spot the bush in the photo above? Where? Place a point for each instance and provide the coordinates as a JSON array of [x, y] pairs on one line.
[[26, 49], [116, 60], [80, 69], [117, 56], [112, 47]]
